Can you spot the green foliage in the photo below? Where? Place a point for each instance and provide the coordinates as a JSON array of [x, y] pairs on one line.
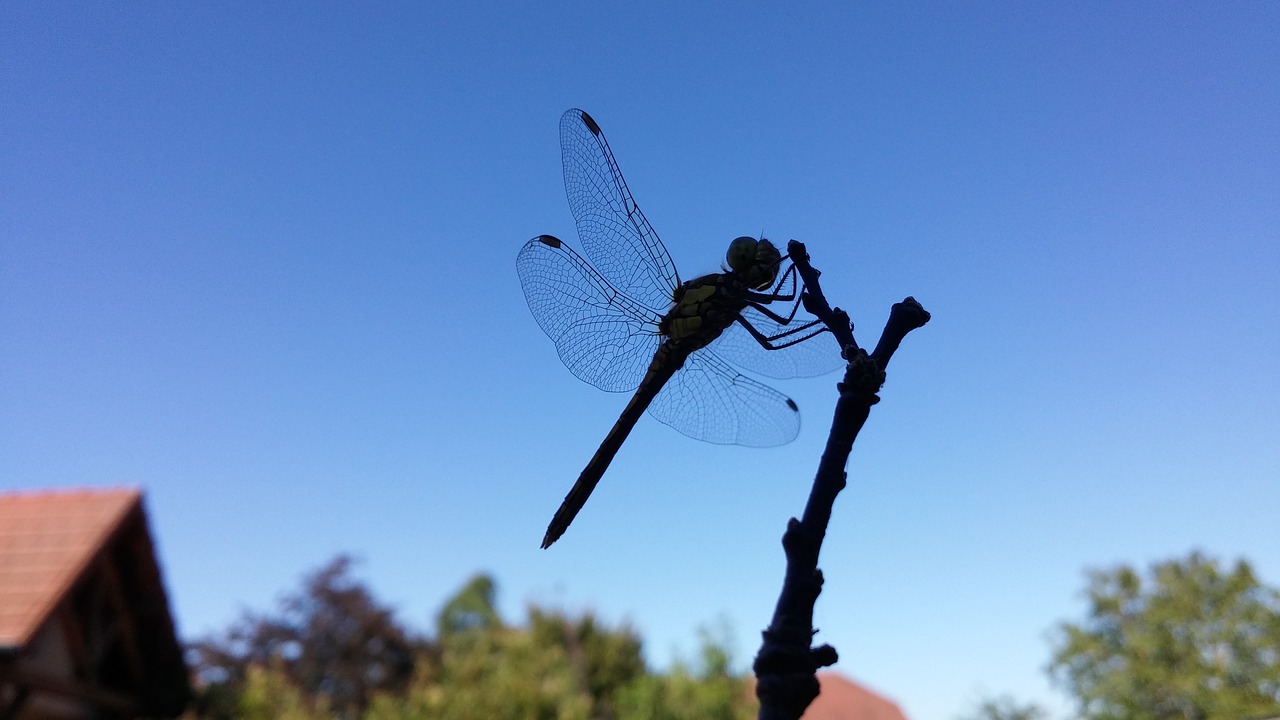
[[1005, 708], [556, 667], [472, 608], [604, 661], [499, 673], [707, 690], [269, 694], [1192, 641]]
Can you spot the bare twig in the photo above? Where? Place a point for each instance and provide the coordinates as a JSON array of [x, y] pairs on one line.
[[786, 666]]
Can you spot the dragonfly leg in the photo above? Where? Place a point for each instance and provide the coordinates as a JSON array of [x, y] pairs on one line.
[[759, 300], [792, 335], [786, 338], [759, 303], [776, 317], [777, 293]]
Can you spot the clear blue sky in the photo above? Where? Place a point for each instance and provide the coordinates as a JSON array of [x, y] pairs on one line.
[[260, 261]]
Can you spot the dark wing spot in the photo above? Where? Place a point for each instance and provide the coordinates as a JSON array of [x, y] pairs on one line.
[[792, 404], [549, 240], [590, 123]]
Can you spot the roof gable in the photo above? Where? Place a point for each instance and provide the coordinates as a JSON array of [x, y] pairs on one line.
[[47, 540], [84, 618]]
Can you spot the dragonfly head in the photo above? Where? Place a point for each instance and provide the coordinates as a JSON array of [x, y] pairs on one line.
[[756, 261]]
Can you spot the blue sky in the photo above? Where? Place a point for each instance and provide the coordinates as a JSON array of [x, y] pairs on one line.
[[260, 261]]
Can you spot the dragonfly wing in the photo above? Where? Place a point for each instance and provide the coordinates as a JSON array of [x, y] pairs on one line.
[[708, 400], [818, 355], [603, 336], [615, 234]]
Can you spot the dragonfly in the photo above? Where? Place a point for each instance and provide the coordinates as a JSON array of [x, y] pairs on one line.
[[625, 322]]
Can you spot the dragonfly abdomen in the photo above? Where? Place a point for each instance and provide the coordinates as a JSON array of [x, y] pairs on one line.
[[666, 361]]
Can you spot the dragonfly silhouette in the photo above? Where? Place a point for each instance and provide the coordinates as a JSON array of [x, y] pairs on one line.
[[629, 323]]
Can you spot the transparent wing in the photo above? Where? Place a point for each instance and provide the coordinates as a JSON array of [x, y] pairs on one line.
[[604, 337], [707, 400], [615, 235], [815, 356]]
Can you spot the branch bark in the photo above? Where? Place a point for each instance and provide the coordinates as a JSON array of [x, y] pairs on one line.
[[786, 665]]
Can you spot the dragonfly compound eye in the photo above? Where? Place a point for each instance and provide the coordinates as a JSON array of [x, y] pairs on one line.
[[767, 254], [742, 253], [764, 269]]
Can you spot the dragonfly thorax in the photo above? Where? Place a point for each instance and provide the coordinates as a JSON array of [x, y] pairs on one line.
[[706, 306], [703, 308]]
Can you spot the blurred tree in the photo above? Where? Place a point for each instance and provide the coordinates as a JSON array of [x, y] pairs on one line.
[[1193, 642], [603, 660], [707, 691], [333, 641], [269, 694], [472, 608], [505, 673], [1005, 708], [333, 636], [555, 668]]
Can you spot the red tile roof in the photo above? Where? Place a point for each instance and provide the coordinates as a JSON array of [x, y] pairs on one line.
[[844, 699], [47, 539]]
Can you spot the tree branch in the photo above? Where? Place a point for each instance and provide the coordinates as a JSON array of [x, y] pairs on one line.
[[786, 665]]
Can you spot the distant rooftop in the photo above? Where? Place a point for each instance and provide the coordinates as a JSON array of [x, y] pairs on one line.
[[844, 699], [47, 539], [85, 628]]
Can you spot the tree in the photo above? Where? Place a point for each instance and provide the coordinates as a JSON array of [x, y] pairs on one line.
[[333, 642], [555, 668], [334, 635], [604, 660], [706, 691], [472, 608], [1005, 708], [268, 694], [1193, 641], [496, 672]]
